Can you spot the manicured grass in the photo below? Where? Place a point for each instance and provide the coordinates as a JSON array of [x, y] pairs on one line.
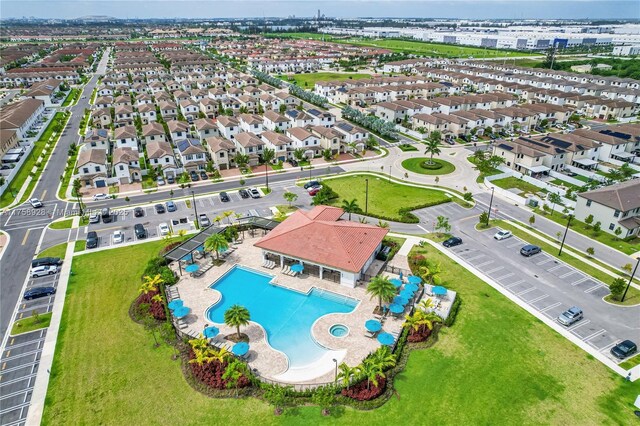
[[631, 362], [63, 224], [308, 81], [481, 177], [416, 165], [285, 208], [28, 324], [79, 245], [513, 182], [494, 366], [25, 170], [265, 190], [560, 182], [405, 147], [385, 198], [72, 97], [68, 173], [55, 251]]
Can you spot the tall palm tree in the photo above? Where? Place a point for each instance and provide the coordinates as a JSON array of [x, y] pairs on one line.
[[268, 155], [381, 288], [237, 316], [217, 243], [227, 214], [383, 358], [432, 148], [370, 372], [345, 373], [350, 206]]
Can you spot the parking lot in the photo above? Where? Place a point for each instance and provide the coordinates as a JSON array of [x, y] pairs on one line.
[[21, 357]]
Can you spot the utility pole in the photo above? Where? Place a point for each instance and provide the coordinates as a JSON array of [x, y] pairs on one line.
[[565, 234], [630, 279], [490, 204], [195, 209]]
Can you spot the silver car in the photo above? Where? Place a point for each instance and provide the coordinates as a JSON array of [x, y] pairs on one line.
[[570, 316]]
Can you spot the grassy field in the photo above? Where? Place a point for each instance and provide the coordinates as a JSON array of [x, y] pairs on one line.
[[385, 198], [28, 324], [513, 182], [72, 97], [415, 165], [55, 251], [309, 80], [79, 245], [62, 224], [496, 365]]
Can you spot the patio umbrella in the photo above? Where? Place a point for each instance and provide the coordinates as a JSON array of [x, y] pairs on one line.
[[211, 332], [400, 275], [181, 312], [298, 267], [439, 290], [411, 287], [240, 348], [399, 300], [414, 279], [174, 304], [396, 282], [373, 325], [386, 339], [406, 293], [192, 268], [187, 258], [396, 309]]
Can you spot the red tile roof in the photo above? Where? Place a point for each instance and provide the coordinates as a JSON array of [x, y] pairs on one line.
[[318, 236]]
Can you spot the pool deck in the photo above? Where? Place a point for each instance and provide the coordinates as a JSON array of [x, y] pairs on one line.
[[263, 359]]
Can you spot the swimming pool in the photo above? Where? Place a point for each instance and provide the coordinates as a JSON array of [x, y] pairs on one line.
[[286, 315]]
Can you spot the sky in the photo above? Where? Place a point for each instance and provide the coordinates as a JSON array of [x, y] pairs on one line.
[[482, 9]]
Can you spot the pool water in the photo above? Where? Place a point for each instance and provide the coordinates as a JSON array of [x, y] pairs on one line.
[[286, 315], [339, 330]]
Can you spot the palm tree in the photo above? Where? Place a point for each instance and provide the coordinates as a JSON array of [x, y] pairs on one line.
[[425, 305], [298, 153], [415, 321], [268, 155], [327, 154], [383, 359], [345, 373], [150, 283], [430, 273], [237, 316], [432, 147], [241, 160], [227, 214], [217, 243], [369, 372], [381, 288], [350, 207]]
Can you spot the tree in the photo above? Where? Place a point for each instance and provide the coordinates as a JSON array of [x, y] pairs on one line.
[[483, 219], [217, 243], [627, 267], [590, 251], [430, 273], [375, 365], [290, 197], [268, 155], [596, 227], [588, 220], [283, 108], [617, 232], [346, 374], [237, 316], [298, 153], [350, 207], [442, 224], [202, 351], [233, 373], [277, 396], [382, 224], [467, 196], [617, 288], [75, 191], [327, 155], [324, 397], [381, 288], [554, 198], [432, 147], [532, 219]]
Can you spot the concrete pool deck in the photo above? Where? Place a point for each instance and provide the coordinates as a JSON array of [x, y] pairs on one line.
[[263, 359]]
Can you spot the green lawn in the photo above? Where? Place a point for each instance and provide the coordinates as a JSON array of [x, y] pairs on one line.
[[68, 172], [405, 147], [62, 224], [481, 177], [496, 365], [631, 362], [385, 198], [285, 208], [513, 182], [79, 245], [30, 324], [17, 182], [72, 97], [416, 165], [309, 80], [55, 251]]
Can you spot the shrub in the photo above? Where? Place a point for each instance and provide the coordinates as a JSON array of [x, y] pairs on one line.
[[453, 313], [419, 335], [210, 373], [156, 308], [360, 392]]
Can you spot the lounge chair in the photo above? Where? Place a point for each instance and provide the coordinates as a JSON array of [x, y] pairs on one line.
[[369, 334]]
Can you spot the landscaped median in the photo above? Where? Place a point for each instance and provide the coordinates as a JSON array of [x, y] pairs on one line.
[[426, 166], [72, 97]]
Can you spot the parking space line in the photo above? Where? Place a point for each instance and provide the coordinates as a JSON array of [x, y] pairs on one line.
[[18, 379], [607, 347], [510, 274], [525, 291], [15, 407], [595, 287], [480, 265], [591, 336], [551, 307], [556, 267], [20, 392], [537, 299], [514, 244], [547, 260], [567, 274], [9, 370], [580, 324], [475, 257], [581, 280], [30, 342], [499, 268], [514, 284], [11, 358]]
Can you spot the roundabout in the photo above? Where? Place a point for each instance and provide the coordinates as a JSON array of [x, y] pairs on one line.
[[422, 166]]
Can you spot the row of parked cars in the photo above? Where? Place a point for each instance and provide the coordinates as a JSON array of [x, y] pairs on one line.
[[42, 267]]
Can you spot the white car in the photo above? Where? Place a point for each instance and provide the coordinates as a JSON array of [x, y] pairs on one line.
[[164, 228], [118, 237], [94, 218], [101, 196], [35, 203], [502, 235], [254, 193], [44, 270]]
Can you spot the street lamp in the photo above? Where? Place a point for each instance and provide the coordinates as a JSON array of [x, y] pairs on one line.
[[490, 204], [195, 208], [630, 279], [565, 234], [366, 196], [389, 173], [335, 361]]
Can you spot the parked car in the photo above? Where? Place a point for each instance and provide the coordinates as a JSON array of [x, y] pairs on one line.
[[43, 270], [36, 292], [138, 212], [530, 250], [314, 191], [94, 218], [224, 197], [254, 193], [194, 176], [452, 242], [160, 181], [101, 196], [159, 208], [46, 261], [204, 175], [164, 229], [570, 316], [105, 215], [311, 184], [171, 206], [624, 349], [171, 180], [140, 231], [92, 239], [502, 235], [244, 193], [35, 203], [450, 141], [204, 220], [118, 237]]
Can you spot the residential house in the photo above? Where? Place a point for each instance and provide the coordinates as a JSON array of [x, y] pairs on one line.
[[305, 140], [251, 123], [178, 130], [249, 144], [160, 154], [101, 117], [192, 154], [153, 132], [189, 109], [125, 137], [97, 138], [92, 167], [278, 142], [126, 165], [168, 110], [206, 128], [222, 152], [273, 121], [228, 126]]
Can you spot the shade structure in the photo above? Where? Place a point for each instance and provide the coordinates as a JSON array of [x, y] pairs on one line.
[[386, 339], [240, 348], [396, 309], [396, 282], [406, 293], [181, 312], [211, 332], [411, 287], [298, 267], [439, 290], [414, 279], [373, 325], [399, 300], [192, 268], [174, 304]]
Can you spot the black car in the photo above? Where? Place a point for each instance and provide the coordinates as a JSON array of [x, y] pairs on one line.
[[36, 292], [624, 349], [452, 242], [46, 261], [140, 231], [194, 176], [311, 184], [224, 197], [138, 212], [159, 208], [293, 162], [92, 239], [244, 193], [530, 250], [171, 180], [203, 175]]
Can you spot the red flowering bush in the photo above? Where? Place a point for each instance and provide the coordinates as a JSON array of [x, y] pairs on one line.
[[156, 309], [419, 335], [360, 392], [210, 373]]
